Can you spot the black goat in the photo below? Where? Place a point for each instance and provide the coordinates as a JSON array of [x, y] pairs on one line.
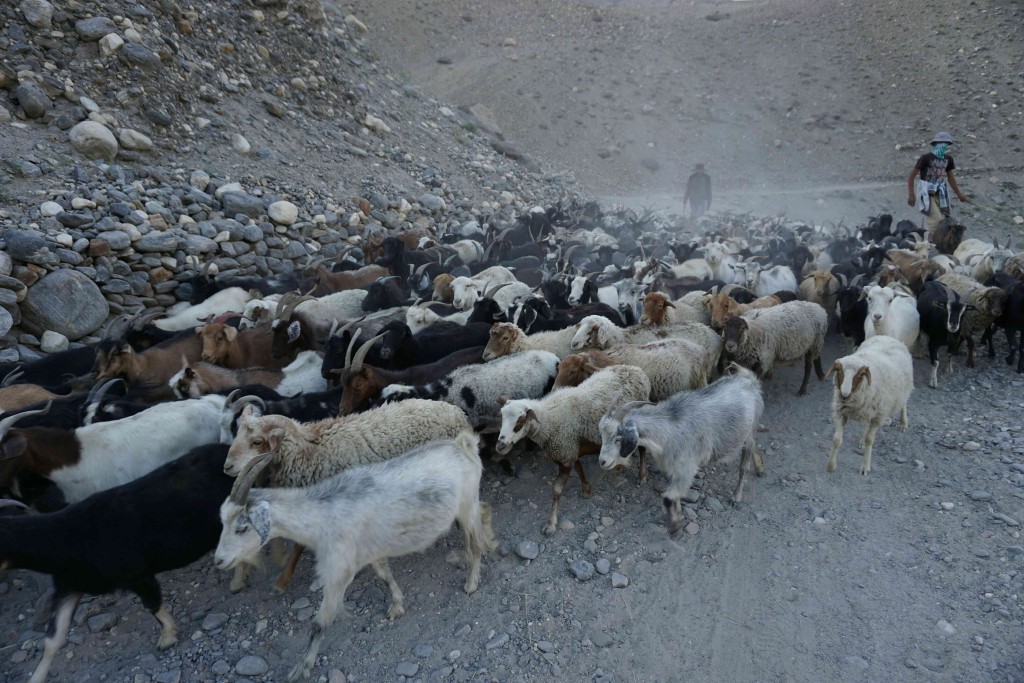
[[1012, 319], [120, 539], [941, 310], [853, 309], [400, 348], [879, 227], [55, 372], [312, 407], [387, 292]]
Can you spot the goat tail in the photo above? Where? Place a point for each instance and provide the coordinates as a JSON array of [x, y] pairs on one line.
[[737, 369], [468, 443]]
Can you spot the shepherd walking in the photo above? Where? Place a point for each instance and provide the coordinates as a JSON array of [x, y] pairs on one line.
[[698, 192], [934, 174]]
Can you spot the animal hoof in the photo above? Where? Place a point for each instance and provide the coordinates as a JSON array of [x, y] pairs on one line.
[[864, 471], [165, 643], [300, 670], [831, 467], [735, 502], [471, 586], [549, 529], [587, 492], [395, 612]]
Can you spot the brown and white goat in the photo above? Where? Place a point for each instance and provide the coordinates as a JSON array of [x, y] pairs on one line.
[[231, 348], [147, 371]]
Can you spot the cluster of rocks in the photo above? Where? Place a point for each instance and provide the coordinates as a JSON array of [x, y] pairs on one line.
[[122, 226]]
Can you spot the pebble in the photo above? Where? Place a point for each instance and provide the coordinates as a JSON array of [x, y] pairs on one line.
[[582, 570], [692, 528], [407, 669], [110, 43], [972, 446], [172, 676], [619, 580], [545, 646], [945, 505], [497, 641], [981, 496], [102, 622], [214, 620], [603, 566], [423, 651], [94, 140], [945, 627], [50, 209], [335, 676], [601, 639], [251, 665], [283, 213], [133, 139], [53, 342], [528, 550], [240, 144]]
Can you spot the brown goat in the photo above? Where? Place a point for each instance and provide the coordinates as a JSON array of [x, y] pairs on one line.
[[18, 396], [443, 291], [577, 368], [199, 379], [329, 282], [916, 271], [820, 287], [723, 306], [889, 273], [151, 369], [226, 346], [655, 310]]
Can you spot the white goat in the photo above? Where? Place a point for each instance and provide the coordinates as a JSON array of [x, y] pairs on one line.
[[363, 516], [230, 299], [721, 261], [871, 385], [687, 431], [467, 290], [764, 280], [893, 313]]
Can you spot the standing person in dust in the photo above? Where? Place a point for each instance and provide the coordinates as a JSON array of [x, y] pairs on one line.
[[934, 172], [698, 192]]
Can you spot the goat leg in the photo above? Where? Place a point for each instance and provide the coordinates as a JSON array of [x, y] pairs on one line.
[[57, 633], [148, 591], [1011, 341], [987, 338], [745, 457], [869, 441], [807, 375], [383, 570], [674, 510], [284, 579], [330, 607], [837, 442], [584, 484], [817, 369], [970, 350], [642, 456], [563, 476]]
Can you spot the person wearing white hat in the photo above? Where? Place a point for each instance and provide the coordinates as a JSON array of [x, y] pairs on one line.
[[934, 174]]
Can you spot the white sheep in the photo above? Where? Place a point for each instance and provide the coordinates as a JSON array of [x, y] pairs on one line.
[[982, 258], [762, 337], [467, 290], [871, 385], [671, 365], [565, 423], [363, 516], [892, 312]]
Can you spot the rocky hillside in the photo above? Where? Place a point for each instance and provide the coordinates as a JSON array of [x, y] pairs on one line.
[[141, 138]]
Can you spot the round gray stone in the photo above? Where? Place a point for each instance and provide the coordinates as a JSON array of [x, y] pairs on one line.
[[240, 202], [251, 665], [407, 669], [53, 342], [430, 202], [91, 30], [65, 301], [28, 246], [528, 550], [117, 239], [582, 570], [94, 140]]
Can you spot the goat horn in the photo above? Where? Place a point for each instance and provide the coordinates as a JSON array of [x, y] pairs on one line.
[[231, 398], [250, 399], [98, 391], [11, 503], [351, 343], [626, 407], [489, 294], [205, 270], [11, 376], [569, 251], [245, 480], [448, 261], [334, 328], [8, 422], [419, 271], [357, 360], [428, 304], [290, 308], [856, 279], [144, 319]]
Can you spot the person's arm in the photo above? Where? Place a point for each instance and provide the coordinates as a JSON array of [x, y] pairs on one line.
[[952, 183], [911, 195], [709, 192]]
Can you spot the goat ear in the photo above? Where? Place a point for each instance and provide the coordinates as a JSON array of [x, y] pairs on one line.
[[231, 333], [13, 447], [293, 331], [836, 367], [502, 400], [530, 415], [199, 330], [274, 438], [259, 516]]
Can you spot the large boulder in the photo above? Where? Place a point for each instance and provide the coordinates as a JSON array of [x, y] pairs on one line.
[[65, 301], [91, 30], [94, 140], [38, 13], [241, 203], [34, 102]]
